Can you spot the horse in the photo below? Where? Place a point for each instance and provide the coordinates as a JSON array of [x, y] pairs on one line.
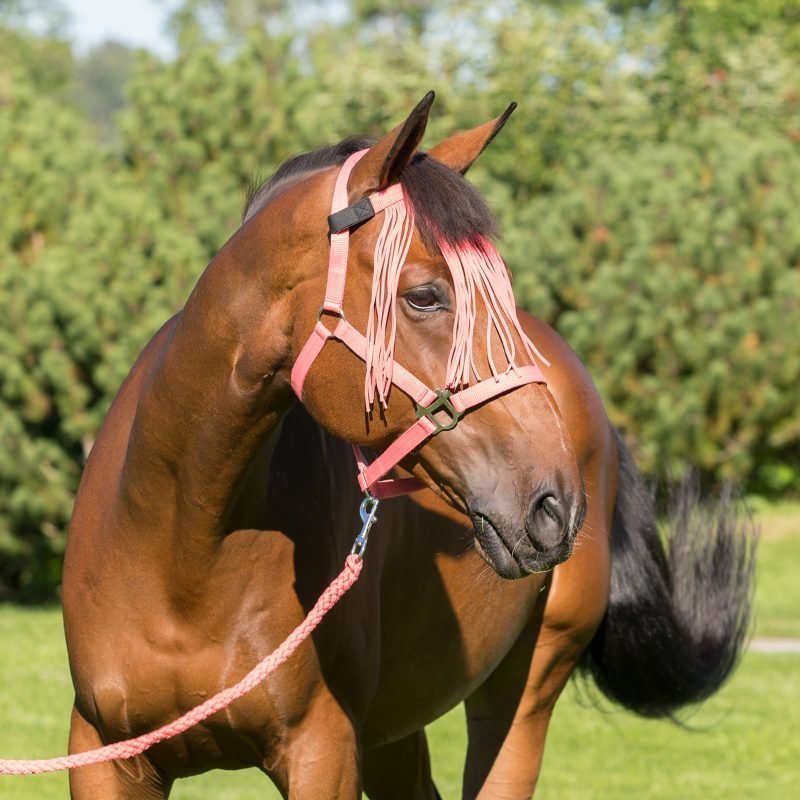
[[222, 493]]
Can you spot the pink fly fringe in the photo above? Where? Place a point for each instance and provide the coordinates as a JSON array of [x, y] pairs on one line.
[[477, 271], [391, 250], [136, 746]]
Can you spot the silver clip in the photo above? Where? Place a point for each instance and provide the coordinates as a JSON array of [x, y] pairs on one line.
[[368, 512]]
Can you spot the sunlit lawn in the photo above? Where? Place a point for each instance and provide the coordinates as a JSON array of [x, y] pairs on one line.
[[744, 743]]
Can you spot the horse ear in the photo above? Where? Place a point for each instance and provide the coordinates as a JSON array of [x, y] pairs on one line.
[[460, 151], [382, 165]]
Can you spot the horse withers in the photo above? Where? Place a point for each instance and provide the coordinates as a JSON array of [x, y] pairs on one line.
[[214, 509]]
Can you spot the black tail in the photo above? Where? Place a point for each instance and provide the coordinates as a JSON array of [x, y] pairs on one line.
[[679, 608]]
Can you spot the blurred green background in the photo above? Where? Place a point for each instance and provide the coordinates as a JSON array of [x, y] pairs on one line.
[[649, 192], [648, 187]]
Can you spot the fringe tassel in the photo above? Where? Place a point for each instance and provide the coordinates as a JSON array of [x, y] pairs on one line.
[[477, 271], [391, 250]]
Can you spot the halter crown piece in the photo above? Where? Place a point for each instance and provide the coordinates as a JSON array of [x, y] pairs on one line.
[[475, 270]]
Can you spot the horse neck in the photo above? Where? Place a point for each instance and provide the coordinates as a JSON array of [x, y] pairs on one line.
[[215, 391]]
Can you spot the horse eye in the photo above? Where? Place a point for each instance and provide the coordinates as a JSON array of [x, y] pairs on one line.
[[424, 298]]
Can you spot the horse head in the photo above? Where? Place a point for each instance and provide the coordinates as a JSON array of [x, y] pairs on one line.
[[404, 335]]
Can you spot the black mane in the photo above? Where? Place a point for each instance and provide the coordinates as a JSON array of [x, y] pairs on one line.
[[446, 206]]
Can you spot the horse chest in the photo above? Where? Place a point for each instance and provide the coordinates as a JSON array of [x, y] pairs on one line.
[[152, 674], [441, 637]]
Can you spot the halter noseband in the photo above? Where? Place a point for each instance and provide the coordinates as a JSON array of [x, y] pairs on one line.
[[429, 402]]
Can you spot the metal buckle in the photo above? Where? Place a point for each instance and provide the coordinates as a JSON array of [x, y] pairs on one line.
[[368, 512], [441, 403]]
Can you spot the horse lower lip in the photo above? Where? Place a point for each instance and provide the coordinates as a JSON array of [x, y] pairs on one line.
[[495, 547], [482, 525]]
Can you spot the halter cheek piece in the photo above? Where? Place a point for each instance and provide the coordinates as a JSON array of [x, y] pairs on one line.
[[437, 409]]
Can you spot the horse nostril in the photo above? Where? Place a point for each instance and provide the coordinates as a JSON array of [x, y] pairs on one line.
[[550, 507], [545, 524]]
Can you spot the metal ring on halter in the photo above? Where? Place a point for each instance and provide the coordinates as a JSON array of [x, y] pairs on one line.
[[322, 310]]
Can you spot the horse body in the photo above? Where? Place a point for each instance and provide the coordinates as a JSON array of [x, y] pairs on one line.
[[213, 512], [423, 629]]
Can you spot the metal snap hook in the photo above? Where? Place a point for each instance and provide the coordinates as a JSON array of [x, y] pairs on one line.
[[368, 512]]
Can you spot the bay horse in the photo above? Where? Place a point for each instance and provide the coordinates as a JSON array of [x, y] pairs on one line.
[[214, 507]]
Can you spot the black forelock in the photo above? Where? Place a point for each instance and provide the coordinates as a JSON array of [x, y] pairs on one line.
[[446, 206]]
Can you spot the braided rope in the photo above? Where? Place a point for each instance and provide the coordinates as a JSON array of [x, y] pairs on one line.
[[136, 746]]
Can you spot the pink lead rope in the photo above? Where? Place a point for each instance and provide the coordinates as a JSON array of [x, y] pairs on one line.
[[134, 747]]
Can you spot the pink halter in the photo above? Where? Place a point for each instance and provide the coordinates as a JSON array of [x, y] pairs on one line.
[[377, 353]]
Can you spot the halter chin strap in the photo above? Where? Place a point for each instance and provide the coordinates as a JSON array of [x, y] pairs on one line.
[[437, 409]]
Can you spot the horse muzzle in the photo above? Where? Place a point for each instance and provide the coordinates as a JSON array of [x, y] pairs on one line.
[[545, 538]]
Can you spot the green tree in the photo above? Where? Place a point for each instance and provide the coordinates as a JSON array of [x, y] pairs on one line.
[[101, 77], [647, 187], [48, 155]]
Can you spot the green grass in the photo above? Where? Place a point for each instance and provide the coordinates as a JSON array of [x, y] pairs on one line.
[[777, 587], [745, 742], [741, 744]]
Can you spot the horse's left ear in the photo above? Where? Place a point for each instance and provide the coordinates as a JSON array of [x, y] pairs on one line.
[[460, 151], [382, 164]]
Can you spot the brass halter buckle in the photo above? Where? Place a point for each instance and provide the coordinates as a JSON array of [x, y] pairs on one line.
[[441, 403]]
